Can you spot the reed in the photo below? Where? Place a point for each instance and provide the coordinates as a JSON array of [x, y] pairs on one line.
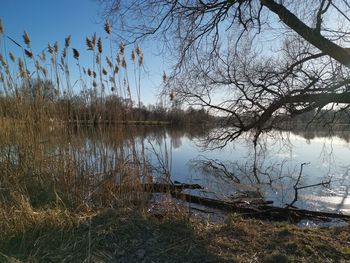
[[45, 158]]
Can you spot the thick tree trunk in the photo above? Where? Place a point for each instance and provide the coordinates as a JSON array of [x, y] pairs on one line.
[[313, 36]]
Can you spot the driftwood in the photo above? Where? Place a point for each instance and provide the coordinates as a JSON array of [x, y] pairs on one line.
[[246, 207], [260, 211], [163, 188]]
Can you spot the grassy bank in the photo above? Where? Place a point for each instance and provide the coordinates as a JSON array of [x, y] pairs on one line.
[[134, 235]]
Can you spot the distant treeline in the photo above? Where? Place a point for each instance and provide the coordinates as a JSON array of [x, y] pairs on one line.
[[41, 99], [320, 118]]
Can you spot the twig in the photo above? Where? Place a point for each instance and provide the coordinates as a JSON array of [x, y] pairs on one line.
[[296, 188]]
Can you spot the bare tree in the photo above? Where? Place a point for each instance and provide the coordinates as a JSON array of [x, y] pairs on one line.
[[255, 62]]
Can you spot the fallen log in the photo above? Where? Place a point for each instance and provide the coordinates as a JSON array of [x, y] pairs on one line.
[[246, 207], [260, 211], [163, 188]]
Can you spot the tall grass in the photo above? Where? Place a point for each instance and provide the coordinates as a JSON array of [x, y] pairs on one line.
[[43, 166]]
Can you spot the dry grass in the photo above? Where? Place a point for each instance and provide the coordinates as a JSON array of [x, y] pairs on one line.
[[134, 235], [258, 241]]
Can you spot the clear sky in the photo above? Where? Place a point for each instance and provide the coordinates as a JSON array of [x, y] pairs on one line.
[[51, 20]]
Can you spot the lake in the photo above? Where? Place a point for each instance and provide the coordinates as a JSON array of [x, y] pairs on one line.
[[228, 171], [179, 154], [120, 154]]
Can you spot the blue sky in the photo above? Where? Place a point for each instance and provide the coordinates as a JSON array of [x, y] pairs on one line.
[[51, 20]]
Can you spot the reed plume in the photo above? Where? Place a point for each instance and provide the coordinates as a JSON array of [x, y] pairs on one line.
[[2, 61], [1, 27], [97, 59], [76, 54], [67, 41], [121, 48], [90, 44], [12, 57], [21, 68], [124, 64], [133, 56], [139, 54], [55, 46], [109, 62], [138, 50], [141, 59], [107, 27], [50, 49], [26, 39], [64, 54], [99, 45], [94, 38], [28, 53], [62, 60]]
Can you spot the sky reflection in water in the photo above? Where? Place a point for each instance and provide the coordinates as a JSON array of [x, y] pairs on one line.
[[279, 164]]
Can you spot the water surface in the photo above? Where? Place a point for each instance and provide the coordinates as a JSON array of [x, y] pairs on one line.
[[228, 172], [123, 154]]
